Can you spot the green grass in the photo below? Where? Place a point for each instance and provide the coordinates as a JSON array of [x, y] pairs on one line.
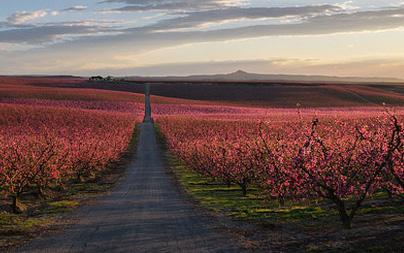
[[373, 209], [229, 199], [21, 223], [62, 206]]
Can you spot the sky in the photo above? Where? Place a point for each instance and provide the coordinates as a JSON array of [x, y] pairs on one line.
[[184, 37]]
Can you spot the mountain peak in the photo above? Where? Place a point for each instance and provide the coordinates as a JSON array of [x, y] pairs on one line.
[[239, 72]]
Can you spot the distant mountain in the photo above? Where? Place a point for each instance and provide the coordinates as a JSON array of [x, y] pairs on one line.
[[242, 76]]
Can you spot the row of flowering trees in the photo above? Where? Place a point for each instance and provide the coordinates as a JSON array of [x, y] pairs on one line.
[[341, 159], [46, 146]]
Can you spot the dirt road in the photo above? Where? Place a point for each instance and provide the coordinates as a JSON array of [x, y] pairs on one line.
[[144, 213]]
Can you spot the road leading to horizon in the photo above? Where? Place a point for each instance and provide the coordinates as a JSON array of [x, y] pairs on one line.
[[144, 213]]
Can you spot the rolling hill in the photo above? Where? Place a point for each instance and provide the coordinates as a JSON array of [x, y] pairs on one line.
[[242, 76]]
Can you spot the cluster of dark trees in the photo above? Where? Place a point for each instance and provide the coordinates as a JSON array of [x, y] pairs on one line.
[[108, 78]]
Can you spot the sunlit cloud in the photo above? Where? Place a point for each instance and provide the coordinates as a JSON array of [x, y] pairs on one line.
[[22, 16], [348, 5], [173, 5], [199, 19], [71, 9], [42, 34]]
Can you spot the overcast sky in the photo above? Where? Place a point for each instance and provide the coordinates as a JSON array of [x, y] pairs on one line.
[[182, 37]]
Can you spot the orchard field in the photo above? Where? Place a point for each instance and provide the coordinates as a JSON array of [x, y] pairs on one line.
[[330, 173], [51, 135], [295, 167], [51, 138]]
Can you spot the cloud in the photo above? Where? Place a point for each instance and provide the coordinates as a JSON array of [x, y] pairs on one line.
[[317, 25], [15, 31], [43, 34], [318, 20], [159, 35], [348, 5], [196, 19], [22, 16], [174, 5], [75, 8], [71, 9]]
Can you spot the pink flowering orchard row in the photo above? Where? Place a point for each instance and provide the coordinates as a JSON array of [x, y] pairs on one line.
[[113, 106], [338, 159], [233, 113], [47, 89], [43, 146]]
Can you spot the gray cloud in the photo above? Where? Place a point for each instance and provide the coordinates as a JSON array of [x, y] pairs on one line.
[[173, 5], [158, 35], [145, 38], [71, 9], [42, 34], [16, 30], [21, 16], [18, 18], [75, 8], [195, 19]]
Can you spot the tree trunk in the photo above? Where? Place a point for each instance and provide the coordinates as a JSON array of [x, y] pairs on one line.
[[41, 194], [16, 205], [244, 189], [281, 200], [345, 218], [343, 214], [80, 178]]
